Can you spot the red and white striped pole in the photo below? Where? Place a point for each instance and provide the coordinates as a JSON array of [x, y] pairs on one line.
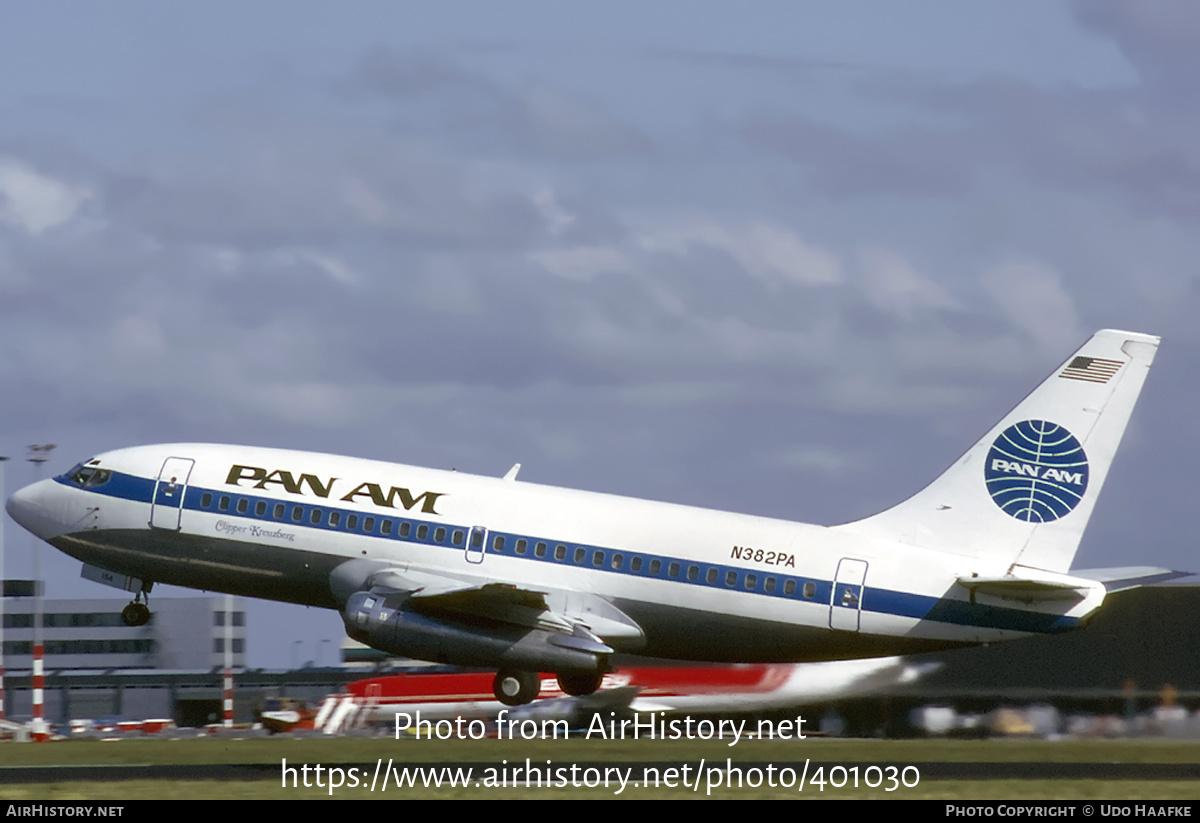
[[228, 697], [39, 723], [39, 454], [228, 661]]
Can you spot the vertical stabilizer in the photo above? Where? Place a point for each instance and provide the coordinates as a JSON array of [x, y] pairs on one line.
[[1025, 491]]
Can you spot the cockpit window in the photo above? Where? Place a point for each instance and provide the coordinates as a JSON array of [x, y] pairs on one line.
[[88, 475]]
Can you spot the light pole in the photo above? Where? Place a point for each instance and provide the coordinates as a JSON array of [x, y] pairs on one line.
[[38, 454]]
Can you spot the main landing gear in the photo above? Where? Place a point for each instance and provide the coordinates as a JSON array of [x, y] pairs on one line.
[[578, 685], [136, 613], [516, 688]]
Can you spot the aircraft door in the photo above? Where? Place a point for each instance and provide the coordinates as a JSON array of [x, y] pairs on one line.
[[845, 605], [476, 544], [166, 505]]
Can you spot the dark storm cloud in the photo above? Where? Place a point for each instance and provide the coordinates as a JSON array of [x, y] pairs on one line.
[[398, 73], [1158, 36], [841, 163], [471, 110], [406, 194], [1121, 144], [788, 65]]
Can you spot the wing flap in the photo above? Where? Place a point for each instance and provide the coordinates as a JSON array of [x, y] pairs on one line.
[[492, 602]]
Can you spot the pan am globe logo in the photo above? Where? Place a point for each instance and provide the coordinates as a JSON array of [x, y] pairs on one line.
[[1036, 471]]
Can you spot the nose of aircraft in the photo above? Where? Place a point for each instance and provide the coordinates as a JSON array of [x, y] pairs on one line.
[[32, 507]]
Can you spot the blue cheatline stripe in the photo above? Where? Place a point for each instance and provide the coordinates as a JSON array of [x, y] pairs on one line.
[[747, 580]]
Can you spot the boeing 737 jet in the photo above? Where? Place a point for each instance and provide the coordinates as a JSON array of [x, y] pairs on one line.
[[522, 578]]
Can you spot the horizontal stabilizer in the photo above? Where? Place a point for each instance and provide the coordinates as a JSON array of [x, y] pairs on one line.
[[1130, 577], [1030, 585]]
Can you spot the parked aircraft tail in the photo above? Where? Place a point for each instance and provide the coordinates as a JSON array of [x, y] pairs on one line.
[[1025, 491]]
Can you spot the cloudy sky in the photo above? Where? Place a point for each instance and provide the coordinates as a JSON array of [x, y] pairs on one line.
[[786, 258]]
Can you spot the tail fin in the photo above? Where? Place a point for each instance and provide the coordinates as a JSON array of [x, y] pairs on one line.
[[1024, 493]]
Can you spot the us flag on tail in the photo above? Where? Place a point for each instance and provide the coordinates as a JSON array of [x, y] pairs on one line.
[[1091, 369]]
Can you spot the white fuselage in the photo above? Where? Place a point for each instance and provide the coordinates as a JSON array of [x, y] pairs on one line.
[[700, 584]]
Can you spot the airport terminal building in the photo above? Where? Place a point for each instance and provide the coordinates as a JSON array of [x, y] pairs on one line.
[[97, 666]]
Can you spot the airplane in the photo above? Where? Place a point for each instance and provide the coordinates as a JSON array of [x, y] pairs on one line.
[[522, 578]]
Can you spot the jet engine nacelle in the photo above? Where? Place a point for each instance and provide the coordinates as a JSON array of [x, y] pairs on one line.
[[381, 619]]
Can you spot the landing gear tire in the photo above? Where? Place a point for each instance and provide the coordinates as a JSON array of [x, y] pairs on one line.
[[578, 685], [135, 614], [516, 688]]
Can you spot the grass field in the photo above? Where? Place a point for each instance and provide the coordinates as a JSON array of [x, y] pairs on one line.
[[761, 760]]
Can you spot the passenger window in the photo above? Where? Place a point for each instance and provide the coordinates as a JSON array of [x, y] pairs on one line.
[[404, 529], [335, 518], [693, 572], [477, 540], [521, 544], [422, 531], [711, 577], [387, 527], [769, 585], [579, 555], [617, 561], [498, 544], [352, 521], [260, 508], [243, 505], [368, 524], [540, 550], [730, 578], [810, 589], [598, 558], [314, 516], [439, 534], [789, 588], [279, 507], [457, 538], [635, 565], [297, 513], [560, 552], [750, 582], [655, 567], [224, 504], [673, 570], [206, 500]]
